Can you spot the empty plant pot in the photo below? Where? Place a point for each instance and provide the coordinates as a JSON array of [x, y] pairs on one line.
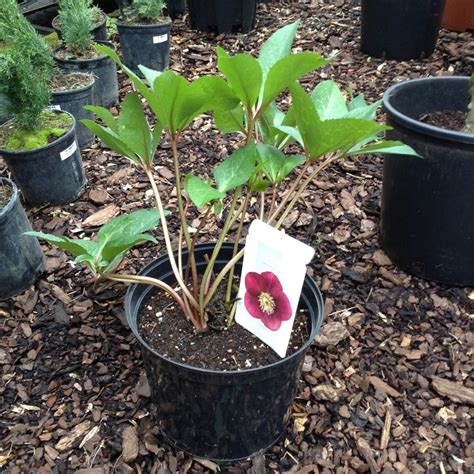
[[21, 258], [426, 223], [458, 15]]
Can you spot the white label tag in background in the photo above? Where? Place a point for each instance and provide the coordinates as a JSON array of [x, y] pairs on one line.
[[272, 278], [160, 39], [54, 107], [69, 151]]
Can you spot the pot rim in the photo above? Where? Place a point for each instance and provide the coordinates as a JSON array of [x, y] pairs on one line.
[[133, 315], [99, 25], [416, 125], [11, 203], [91, 60], [140, 26], [45, 147]]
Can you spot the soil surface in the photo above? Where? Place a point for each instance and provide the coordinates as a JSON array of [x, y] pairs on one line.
[[387, 386], [5, 194], [85, 55], [66, 82], [450, 119]]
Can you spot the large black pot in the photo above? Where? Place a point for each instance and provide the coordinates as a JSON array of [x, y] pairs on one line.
[[175, 8], [21, 258], [400, 29], [224, 416], [148, 45], [222, 15], [98, 33], [52, 174], [104, 70], [73, 101], [427, 224]]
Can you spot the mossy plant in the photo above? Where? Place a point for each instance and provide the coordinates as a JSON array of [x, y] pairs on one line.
[[52, 125]]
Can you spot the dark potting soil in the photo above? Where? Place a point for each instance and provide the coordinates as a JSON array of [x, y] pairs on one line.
[[68, 82], [449, 119], [140, 20], [5, 194], [168, 332], [66, 54]]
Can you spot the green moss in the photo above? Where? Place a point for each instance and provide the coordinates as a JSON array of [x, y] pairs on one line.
[[51, 126], [52, 40]]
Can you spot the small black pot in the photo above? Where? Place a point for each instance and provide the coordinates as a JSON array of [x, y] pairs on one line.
[[400, 29], [21, 258], [148, 45], [427, 224], [99, 33], [222, 15], [104, 70], [175, 8], [73, 101], [51, 174], [224, 416]]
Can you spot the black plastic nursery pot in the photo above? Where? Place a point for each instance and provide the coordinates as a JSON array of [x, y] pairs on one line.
[[21, 258], [73, 101], [104, 71], [52, 174], [222, 15], [427, 224], [99, 32], [400, 29], [175, 8], [148, 45], [220, 415]]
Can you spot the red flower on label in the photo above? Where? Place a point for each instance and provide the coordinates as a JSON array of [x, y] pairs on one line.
[[265, 299]]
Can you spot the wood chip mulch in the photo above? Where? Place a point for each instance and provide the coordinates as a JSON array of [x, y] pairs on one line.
[[387, 386]]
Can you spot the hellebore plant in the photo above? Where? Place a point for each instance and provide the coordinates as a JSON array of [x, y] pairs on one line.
[[242, 100]]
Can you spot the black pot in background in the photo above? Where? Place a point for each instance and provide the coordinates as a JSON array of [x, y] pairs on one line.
[[3, 103], [104, 70], [148, 45], [427, 224], [224, 416], [400, 29], [21, 258], [73, 101], [99, 33], [222, 15], [175, 8], [52, 174]]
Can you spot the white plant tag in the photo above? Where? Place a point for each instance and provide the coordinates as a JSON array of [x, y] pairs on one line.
[[272, 278], [69, 151], [54, 107], [160, 39]]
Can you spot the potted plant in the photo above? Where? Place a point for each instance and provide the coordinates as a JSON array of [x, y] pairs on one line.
[[38, 145], [22, 259], [210, 403], [78, 53], [458, 15], [222, 15], [400, 29], [98, 30], [144, 35], [426, 221]]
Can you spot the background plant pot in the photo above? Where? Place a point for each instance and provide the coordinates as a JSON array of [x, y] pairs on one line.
[[458, 15], [51, 174], [148, 45], [3, 103], [223, 15], [220, 415], [400, 29], [73, 101], [104, 71], [427, 224], [99, 32], [21, 258], [176, 8]]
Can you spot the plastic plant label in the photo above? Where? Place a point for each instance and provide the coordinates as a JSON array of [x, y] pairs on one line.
[[160, 39], [69, 151], [272, 278], [54, 107]]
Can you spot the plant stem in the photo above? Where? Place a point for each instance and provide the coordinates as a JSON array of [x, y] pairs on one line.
[[272, 203]]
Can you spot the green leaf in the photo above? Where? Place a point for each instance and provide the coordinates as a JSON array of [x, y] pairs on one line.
[[244, 75], [237, 169], [277, 46], [286, 71], [366, 112], [221, 96], [275, 164], [329, 101], [230, 121], [104, 115], [259, 185], [200, 192], [386, 146], [149, 74]]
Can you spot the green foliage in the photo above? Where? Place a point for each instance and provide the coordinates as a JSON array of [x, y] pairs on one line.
[[77, 20], [149, 9], [114, 240], [26, 67]]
